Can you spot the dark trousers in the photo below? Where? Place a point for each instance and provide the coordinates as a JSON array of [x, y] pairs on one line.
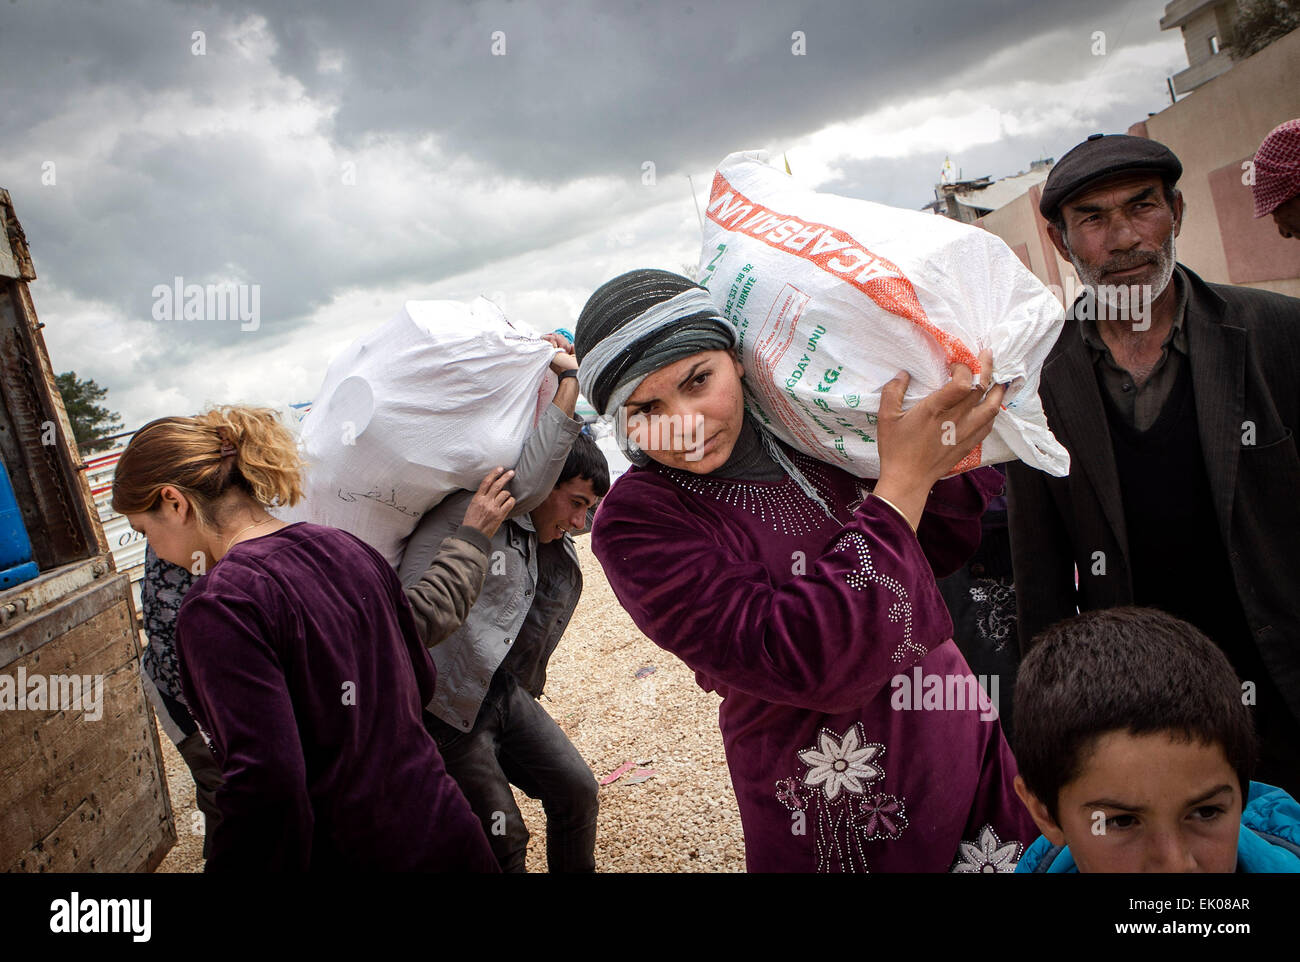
[[207, 779], [514, 741]]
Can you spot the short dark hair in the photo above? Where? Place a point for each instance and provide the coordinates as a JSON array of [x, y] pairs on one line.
[[1135, 670], [587, 461], [1170, 191]]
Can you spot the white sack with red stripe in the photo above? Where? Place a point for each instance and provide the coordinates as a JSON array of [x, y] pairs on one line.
[[832, 297]]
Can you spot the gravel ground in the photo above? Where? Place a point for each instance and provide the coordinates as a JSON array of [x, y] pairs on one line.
[[681, 819], [187, 854]]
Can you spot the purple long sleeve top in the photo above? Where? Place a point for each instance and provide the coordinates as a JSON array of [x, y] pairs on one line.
[[301, 662], [801, 623]]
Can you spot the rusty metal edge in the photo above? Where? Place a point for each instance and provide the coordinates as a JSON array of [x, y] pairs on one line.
[[15, 242], [46, 392]]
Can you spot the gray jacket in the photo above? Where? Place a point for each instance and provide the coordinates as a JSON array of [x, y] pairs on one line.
[[503, 617], [441, 596]]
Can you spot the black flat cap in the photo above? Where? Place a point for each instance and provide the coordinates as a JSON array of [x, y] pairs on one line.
[[1102, 155]]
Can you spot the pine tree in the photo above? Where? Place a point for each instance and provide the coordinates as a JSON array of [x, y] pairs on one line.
[[90, 421]]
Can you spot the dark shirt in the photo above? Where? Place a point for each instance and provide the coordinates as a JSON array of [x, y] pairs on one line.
[[302, 663], [1140, 404], [1177, 556]]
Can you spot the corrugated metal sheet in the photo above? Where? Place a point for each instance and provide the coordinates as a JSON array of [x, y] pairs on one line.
[[126, 545]]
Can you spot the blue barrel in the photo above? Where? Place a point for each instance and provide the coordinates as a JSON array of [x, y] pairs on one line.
[[17, 575], [16, 565]]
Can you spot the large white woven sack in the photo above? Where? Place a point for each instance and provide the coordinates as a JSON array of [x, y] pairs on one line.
[[833, 296], [423, 406]]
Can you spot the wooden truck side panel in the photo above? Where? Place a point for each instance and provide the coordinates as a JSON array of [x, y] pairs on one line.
[[77, 792]]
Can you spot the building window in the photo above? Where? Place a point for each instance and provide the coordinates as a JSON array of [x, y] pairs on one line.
[[1214, 43]]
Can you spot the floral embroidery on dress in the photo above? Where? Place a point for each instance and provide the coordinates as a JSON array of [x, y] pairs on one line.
[[989, 854], [791, 795], [881, 816], [900, 610], [841, 764], [835, 792]]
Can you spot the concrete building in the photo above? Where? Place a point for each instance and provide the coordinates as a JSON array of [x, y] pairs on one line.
[[969, 200], [1206, 26]]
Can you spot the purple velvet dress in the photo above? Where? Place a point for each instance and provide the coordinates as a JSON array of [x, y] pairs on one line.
[[802, 624], [301, 661]]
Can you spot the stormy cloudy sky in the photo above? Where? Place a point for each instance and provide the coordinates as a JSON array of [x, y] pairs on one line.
[[348, 156]]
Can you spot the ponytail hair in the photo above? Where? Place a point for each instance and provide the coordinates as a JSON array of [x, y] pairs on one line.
[[226, 448]]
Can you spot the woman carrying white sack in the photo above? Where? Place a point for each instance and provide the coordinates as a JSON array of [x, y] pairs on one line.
[[832, 295], [804, 597]]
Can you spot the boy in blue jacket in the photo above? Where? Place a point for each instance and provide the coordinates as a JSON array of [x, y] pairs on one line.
[[1134, 745]]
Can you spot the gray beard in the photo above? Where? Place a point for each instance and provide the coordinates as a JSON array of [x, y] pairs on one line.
[[1123, 301]]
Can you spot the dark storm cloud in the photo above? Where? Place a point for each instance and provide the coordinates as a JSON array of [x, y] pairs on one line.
[[225, 207], [600, 87], [53, 52], [584, 90]]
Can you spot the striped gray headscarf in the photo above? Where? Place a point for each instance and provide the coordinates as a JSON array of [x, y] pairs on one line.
[[640, 322], [634, 325]]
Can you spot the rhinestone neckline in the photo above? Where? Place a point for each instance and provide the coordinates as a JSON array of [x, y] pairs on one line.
[[782, 504]]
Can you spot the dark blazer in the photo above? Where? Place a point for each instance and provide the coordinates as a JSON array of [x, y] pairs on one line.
[[1244, 349]]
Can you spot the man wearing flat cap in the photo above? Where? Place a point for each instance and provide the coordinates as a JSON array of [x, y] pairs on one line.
[[1178, 401]]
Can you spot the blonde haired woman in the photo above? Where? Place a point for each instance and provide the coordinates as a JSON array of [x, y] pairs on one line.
[[300, 656]]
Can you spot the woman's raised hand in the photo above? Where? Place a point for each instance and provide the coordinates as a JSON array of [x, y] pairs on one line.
[[920, 446], [558, 341]]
